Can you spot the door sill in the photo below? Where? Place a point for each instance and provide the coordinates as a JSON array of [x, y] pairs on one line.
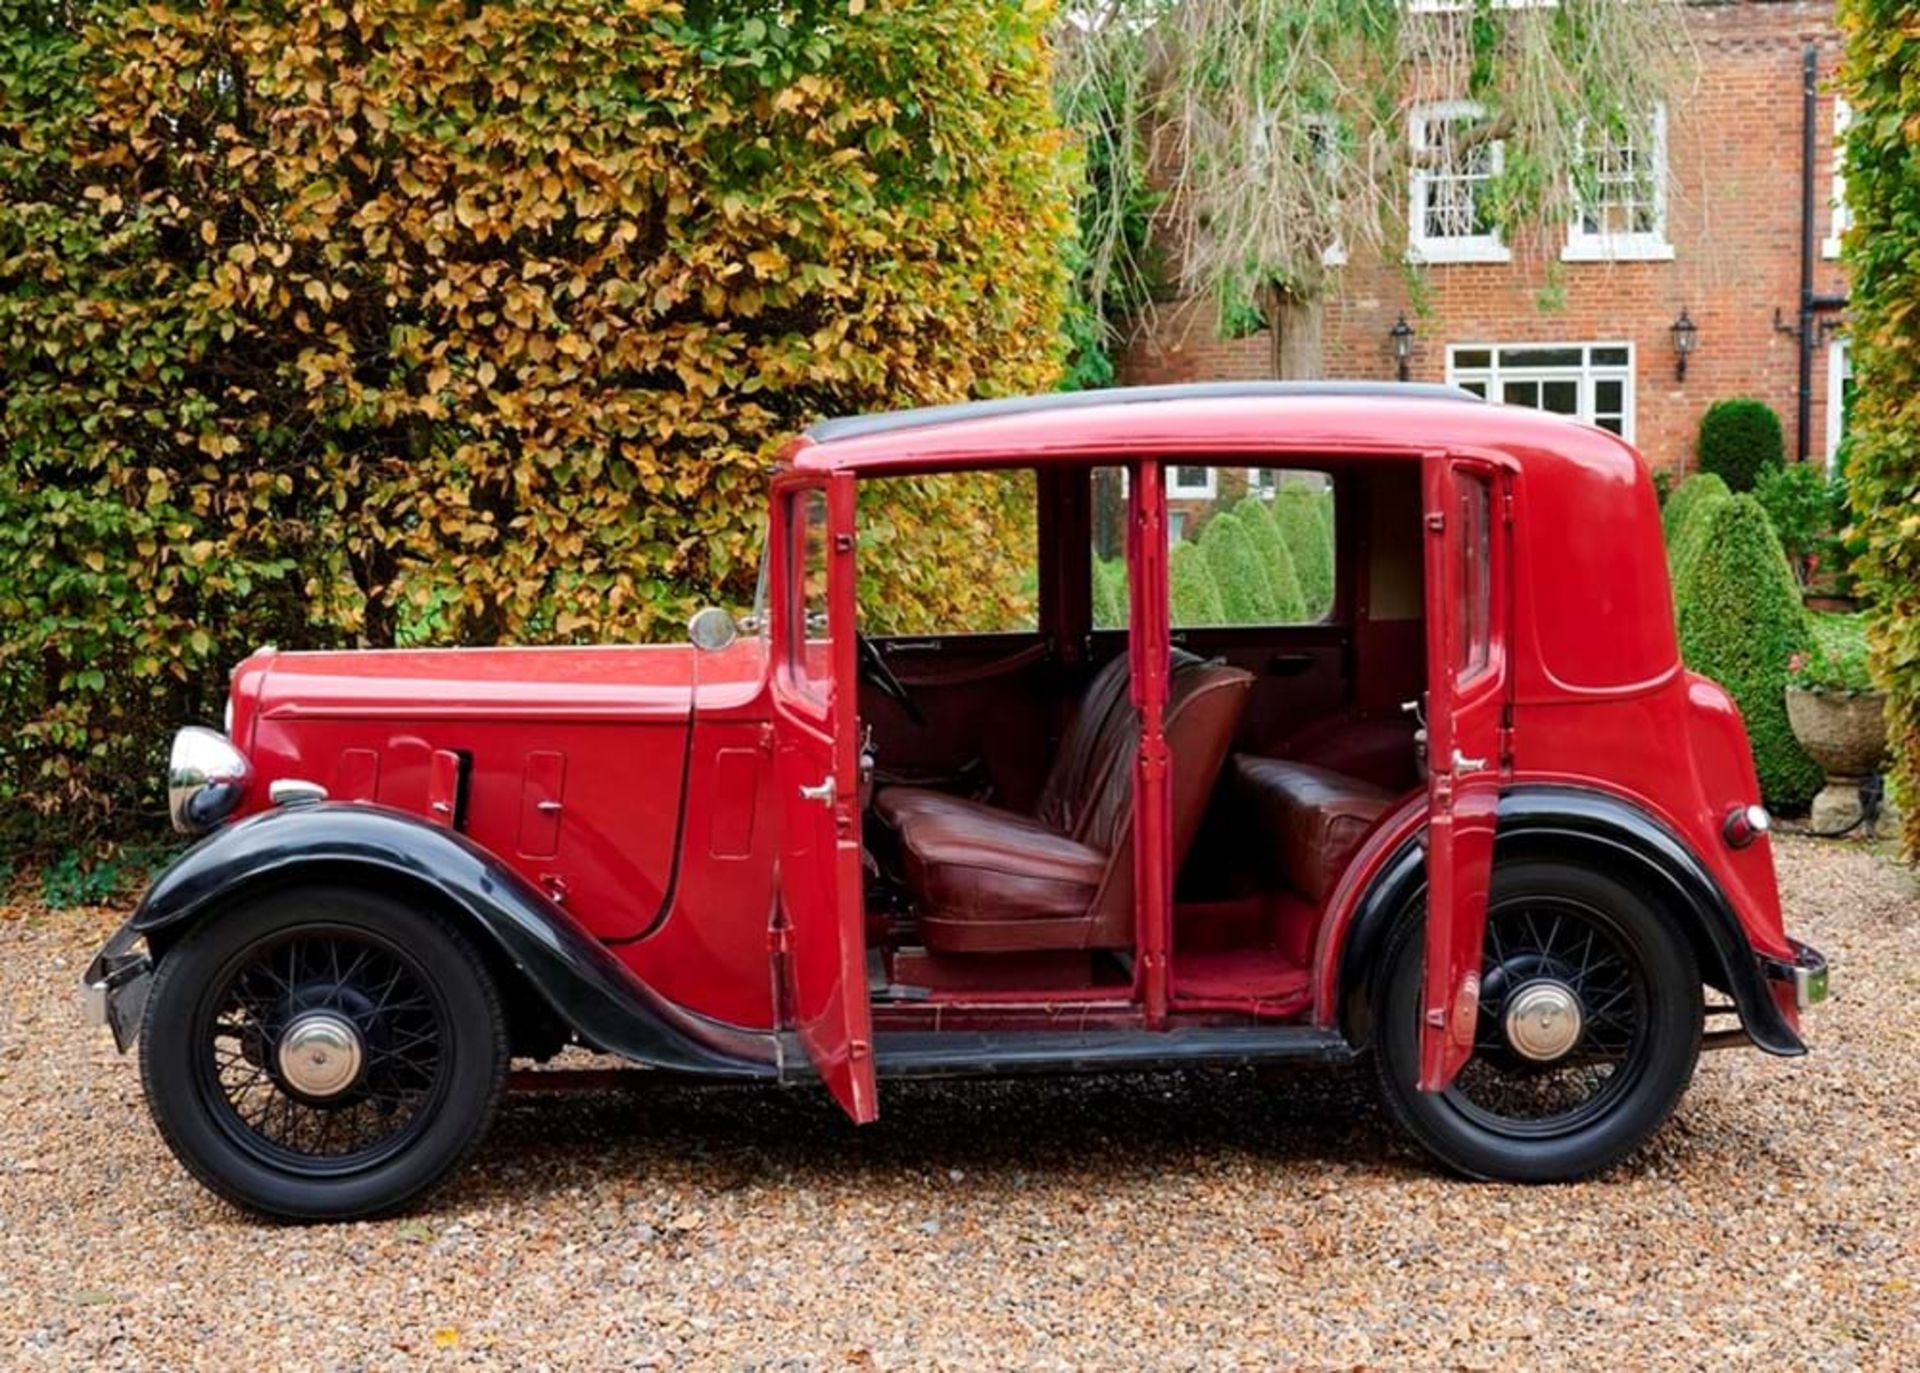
[[969, 1053]]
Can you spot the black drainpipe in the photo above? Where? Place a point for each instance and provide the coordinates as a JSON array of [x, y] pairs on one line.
[[1810, 304]]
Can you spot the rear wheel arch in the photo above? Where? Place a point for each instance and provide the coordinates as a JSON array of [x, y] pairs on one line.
[[1581, 829]]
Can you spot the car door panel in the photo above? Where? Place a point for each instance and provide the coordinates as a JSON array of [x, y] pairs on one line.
[[1464, 505], [820, 921]]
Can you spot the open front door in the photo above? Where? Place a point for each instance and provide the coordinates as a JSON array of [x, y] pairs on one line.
[[1465, 505], [821, 921]]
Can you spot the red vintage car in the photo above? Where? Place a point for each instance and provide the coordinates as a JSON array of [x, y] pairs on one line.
[[1453, 805]]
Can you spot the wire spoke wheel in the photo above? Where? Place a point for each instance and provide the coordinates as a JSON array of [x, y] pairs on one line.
[[1562, 1033], [1588, 1027], [323, 1050]]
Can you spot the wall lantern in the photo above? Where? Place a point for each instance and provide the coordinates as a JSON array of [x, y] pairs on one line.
[[1402, 336], [1685, 333]]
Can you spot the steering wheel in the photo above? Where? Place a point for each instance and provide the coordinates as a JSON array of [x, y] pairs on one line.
[[874, 668]]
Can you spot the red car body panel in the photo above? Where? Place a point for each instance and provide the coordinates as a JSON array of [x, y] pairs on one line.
[[639, 788]]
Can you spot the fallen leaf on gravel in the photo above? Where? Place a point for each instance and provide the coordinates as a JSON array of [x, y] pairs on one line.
[[446, 1337]]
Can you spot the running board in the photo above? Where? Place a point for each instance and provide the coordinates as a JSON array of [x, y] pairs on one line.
[[954, 1053]]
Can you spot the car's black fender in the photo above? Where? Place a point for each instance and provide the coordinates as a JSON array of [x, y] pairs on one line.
[[1577, 825], [581, 983]]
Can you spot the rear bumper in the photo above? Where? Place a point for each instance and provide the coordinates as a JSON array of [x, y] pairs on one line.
[[1807, 973]]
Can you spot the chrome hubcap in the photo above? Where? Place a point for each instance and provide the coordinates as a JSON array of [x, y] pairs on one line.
[[320, 1054], [1543, 1020]]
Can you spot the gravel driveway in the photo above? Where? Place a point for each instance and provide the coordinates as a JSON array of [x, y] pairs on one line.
[[1195, 1219]]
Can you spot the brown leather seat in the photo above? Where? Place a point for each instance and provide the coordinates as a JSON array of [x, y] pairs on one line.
[[1312, 818], [988, 880], [1104, 699]]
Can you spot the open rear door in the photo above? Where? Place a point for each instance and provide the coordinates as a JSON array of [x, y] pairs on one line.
[[821, 920], [1465, 505]]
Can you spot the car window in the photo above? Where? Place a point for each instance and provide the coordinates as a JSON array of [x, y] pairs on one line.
[[1109, 525], [1250, 546], [949, 553], [1474, 613], [811, 642]]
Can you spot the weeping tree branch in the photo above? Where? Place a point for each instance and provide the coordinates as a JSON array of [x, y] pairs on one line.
[[1232, 146]]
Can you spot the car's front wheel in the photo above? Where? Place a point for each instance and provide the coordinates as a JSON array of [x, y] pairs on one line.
[[1589, 1029], [323, 1053]]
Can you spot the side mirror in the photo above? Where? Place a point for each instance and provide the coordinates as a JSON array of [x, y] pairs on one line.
[[712, 629]]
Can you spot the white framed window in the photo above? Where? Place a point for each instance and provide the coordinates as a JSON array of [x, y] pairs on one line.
[[1840, 217], [1590, 382], [1191, 483], [1839, 398], [1263, 482], [1621, 215], [1450, 216]]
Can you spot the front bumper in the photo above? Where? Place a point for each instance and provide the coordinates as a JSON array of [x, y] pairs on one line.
[[114, 990]]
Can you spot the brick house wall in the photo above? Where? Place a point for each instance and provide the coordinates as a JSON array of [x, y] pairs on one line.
[[1733, 220]]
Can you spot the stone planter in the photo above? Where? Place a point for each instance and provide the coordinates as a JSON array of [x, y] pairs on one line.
[[1845, 732]]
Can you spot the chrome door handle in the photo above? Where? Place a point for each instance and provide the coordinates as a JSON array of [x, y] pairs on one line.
[[824, 793], [1462, 765]]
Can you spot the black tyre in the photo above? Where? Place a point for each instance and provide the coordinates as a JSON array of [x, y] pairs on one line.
[[1575, 1087], [323, 1053]]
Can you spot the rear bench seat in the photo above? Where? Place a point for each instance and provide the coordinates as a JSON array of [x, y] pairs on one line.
[[1313, 818]]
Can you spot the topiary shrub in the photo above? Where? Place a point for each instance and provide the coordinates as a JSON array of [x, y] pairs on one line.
[[1191, 592], [1688, 531], [1290, 601], [1110, 593], [1305, 520], [1741, 439], [1246, 588], [1685, 496], [1741, 623]]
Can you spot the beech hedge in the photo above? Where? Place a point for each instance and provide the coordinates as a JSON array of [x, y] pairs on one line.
[[1880, 78], [464, 321]]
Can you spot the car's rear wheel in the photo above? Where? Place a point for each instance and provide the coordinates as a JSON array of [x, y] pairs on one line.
[[323, 1053], [1589, 1029]]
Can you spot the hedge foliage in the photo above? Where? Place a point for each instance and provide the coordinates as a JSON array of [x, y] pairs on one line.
[[1881, 80], [1304, 518], [1247, 594], [1680, 504], [1740, 441], [1110, 598], [1697, 498], [1192, 595], [949, 551], [1289, 601], [1741, 623], [466, 321]]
